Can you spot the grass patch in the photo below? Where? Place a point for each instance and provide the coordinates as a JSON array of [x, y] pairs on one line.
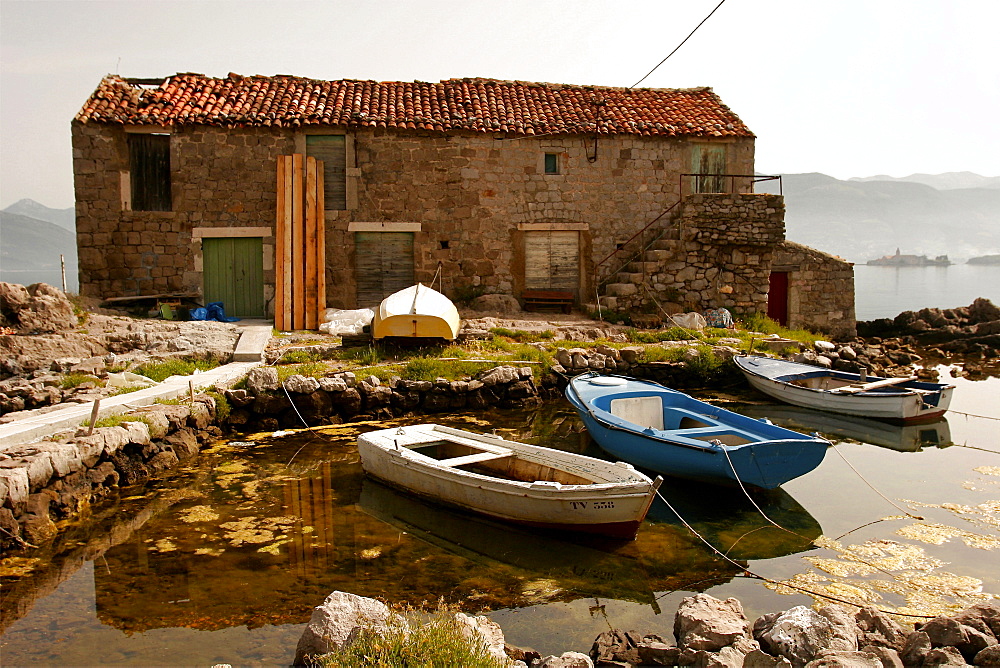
[[427, 368], [118, 420], [313, 369], [71, 380], [671, 334], [128, 389], [222, 407], [520, 335], [160, 371], [299, 357], [439, 642]]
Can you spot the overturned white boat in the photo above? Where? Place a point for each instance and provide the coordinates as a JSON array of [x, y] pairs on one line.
[[511, 481], [416, 312]]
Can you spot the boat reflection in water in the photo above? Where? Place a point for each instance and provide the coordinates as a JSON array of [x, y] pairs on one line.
[[904, 438], [664, 557]]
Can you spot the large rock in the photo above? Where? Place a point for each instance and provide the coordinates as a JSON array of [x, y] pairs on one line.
[[339, 618], [482, 629], [983, 310], [496, 304], [797, 634], [704, 622], [37, 308]]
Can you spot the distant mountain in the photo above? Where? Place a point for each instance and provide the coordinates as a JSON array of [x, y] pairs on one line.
[[64, 218], [30, 249], [946, 181], [864, 219]]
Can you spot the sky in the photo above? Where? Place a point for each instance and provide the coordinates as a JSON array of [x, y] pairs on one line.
[[843, 87]]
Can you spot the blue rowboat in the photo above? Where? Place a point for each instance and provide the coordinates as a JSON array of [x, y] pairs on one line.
[[663, 430]]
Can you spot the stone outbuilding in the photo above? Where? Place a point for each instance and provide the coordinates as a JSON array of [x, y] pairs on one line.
[[633, 197]]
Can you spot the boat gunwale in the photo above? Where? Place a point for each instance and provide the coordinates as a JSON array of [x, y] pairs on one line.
[[654, 434], [636, 484], [898, 391]]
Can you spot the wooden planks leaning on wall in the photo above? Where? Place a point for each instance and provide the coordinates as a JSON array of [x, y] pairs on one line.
[[300, 236]]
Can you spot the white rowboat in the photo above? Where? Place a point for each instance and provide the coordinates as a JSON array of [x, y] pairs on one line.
[[511, 481], [904, 399], [416, 312]]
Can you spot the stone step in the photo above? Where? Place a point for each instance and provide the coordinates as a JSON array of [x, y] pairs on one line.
[[657, 255], [620, 289], [646, 268], [629, 277], [252, 343]]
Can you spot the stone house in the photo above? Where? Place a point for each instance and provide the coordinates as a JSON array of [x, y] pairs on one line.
[[630, 198]]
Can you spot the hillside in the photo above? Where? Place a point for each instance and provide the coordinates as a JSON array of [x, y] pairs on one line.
[[864, 219], [30, 249], [64, 218]]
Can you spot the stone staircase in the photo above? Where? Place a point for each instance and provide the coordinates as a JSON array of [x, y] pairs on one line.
[[624, 289]]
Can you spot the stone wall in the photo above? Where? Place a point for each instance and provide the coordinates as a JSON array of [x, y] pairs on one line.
[[720, 256], [473, 196], [820, 290]]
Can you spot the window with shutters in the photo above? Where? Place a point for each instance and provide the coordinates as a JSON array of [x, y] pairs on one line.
[[384, 264], [332, 150], [149, 171]]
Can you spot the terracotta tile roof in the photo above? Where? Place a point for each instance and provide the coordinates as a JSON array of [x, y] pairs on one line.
[[474, 105]]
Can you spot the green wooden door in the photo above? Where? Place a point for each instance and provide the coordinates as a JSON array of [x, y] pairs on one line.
[[234, 274], [709, 161]]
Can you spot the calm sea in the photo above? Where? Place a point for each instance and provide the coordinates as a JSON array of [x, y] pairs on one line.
[[884, 292]]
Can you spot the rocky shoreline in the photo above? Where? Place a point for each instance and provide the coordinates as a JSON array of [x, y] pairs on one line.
[[707, 632]]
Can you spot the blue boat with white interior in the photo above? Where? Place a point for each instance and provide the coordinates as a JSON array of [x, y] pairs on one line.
[[666, 431]]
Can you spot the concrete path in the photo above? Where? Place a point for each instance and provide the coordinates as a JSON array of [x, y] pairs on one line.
[[36, 425]]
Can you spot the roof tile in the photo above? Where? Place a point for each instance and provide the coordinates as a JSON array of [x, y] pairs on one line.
[[473, 105]]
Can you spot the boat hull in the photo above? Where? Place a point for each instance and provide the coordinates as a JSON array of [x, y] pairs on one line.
[[912, 401], [614, 507], [416, 312], [728, 448]]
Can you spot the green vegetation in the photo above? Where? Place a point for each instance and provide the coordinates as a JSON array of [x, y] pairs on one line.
[[160, 371], [117, 421], [314, 369], [521, 335], [299, 357], [222, 407], [127, 389], [672, 334], [438, 643], [71, 380]]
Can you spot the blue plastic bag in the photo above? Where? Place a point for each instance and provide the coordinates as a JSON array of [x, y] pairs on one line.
[[217, 312], [199, 313]]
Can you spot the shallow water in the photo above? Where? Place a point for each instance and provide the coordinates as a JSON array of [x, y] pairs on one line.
[[224, 560]]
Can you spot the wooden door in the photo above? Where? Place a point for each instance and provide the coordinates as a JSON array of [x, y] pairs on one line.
[[709, 161], [234, 274], [383, 265], [777, 297], [552, 261]]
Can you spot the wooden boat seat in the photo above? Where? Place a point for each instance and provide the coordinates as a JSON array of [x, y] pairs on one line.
[[475, 458]]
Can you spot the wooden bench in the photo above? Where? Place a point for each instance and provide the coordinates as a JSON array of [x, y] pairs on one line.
[[548, 298]]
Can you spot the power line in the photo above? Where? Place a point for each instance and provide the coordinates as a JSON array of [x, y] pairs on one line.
[[678, 46]]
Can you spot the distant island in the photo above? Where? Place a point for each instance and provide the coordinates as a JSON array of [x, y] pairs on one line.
[[984, 259], [900, 260]]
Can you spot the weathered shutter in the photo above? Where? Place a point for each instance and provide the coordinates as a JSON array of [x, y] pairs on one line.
[[552, 260], [383, 264], [708, 160], [331, 149], [149, 166], [234, 274]]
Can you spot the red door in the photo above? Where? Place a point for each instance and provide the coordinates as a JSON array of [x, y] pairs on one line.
[[777, 297]]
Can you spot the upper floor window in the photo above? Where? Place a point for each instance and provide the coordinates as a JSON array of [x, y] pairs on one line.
[[551, 163], [331, 149], [708, 162], [149, 165]]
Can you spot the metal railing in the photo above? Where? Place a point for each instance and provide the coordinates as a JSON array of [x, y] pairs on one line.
[[699, 184]]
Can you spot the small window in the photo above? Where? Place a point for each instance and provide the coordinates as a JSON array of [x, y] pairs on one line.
[[551, 163], [332, 150], [149, 165]]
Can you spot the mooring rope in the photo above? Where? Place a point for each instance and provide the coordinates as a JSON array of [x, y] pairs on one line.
[[984, 417], [748, 573], [887, 499], [747, 493]]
